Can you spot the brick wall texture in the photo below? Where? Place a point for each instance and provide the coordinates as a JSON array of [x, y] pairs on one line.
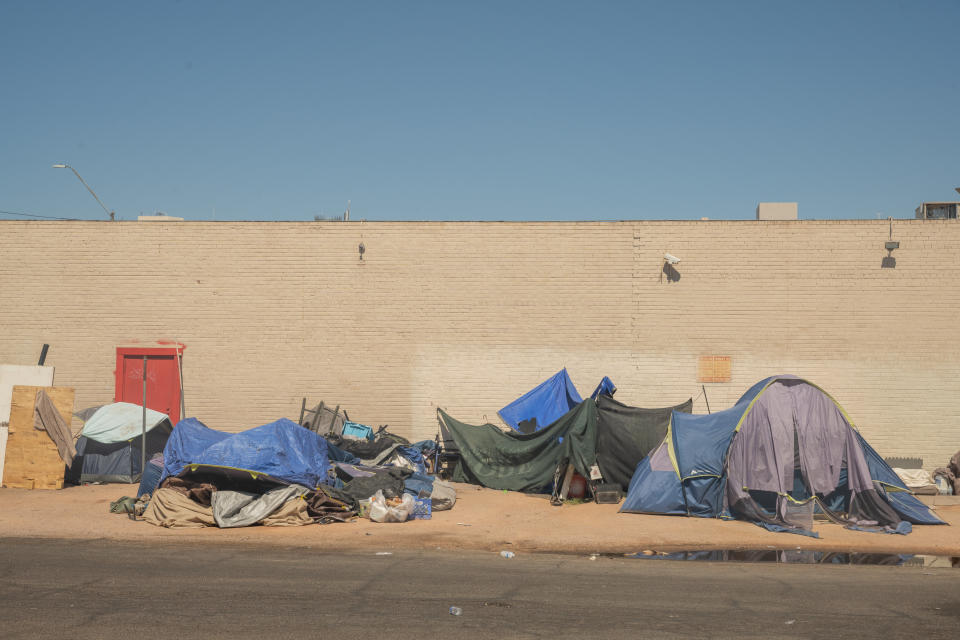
[[469, 315]]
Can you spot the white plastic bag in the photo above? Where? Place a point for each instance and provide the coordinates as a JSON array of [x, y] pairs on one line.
[[380, 512]]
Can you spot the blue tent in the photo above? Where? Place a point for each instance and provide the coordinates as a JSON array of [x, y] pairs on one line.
[[786, 442], [283, 450]]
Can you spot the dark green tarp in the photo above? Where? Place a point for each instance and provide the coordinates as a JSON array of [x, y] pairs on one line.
[[498, 459], [626, 435]]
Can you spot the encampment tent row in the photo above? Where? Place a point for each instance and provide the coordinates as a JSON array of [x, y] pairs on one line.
[[785, 451]]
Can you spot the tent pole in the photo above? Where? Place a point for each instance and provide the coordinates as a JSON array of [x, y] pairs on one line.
[[143, 428], [705, 399], [183, 404]]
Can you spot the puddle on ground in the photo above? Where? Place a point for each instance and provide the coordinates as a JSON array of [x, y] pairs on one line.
[[799, 556]]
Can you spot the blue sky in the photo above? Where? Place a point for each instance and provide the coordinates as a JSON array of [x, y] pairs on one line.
[[479, 111]]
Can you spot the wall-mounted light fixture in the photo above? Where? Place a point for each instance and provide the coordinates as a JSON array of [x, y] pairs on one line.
[[361, 249], [890, 262]]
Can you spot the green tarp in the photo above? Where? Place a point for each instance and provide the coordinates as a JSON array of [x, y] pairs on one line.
[[625, 435], [515, 461]]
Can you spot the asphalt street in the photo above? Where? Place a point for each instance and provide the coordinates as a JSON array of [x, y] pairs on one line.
[[71, 589]]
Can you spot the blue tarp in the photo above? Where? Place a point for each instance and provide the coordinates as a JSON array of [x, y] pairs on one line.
[[544, 404], [605, 388], [415, 456], [427, 447], [417, 484], [779, 528], [283, 450], [548, 402], [189, 438]]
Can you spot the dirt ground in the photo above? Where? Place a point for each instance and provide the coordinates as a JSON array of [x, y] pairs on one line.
[[483, 519]]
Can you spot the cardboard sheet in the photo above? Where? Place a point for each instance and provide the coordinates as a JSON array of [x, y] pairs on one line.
[[10, 375]]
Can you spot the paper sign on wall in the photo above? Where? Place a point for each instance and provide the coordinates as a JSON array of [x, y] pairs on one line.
[[713, 369]]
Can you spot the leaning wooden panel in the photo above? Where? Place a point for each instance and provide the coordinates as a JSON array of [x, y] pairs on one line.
[[32, 460]]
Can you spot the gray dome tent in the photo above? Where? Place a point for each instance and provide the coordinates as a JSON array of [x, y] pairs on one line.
[[109, 447], [786, 442]]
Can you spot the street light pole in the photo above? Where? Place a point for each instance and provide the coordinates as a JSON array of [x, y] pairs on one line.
[[66, 166]]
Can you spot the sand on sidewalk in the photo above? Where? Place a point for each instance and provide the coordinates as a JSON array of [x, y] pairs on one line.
[[483, 519]]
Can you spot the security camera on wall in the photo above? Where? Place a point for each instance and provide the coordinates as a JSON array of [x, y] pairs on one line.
[[671, 258]]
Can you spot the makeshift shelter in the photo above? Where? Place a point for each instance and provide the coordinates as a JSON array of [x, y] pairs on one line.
[[626, 435], [548, 401], [501, 459], [109, 447], [278, 474], [282, 450], [783, 447]]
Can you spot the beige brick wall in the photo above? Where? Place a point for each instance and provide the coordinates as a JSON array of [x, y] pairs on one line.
[[469, 315]]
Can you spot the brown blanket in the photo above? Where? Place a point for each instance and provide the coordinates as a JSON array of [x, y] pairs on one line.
[[171, 508], [325, 508]]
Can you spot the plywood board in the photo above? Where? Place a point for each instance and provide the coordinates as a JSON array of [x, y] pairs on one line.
[[713, 369], [32, 460], [10, 375]]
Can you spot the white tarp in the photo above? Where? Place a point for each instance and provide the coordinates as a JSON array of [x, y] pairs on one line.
[[120, 422], [12, 375], [242, 509], [914, 478]]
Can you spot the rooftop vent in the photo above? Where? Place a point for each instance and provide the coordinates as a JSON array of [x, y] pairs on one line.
[[777, 211], [938, 211], [159, 217]]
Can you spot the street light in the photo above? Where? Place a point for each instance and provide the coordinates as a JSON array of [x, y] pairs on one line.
[[66, 166]]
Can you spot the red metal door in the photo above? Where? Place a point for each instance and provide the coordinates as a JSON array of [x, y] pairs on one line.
[[163, 380]]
